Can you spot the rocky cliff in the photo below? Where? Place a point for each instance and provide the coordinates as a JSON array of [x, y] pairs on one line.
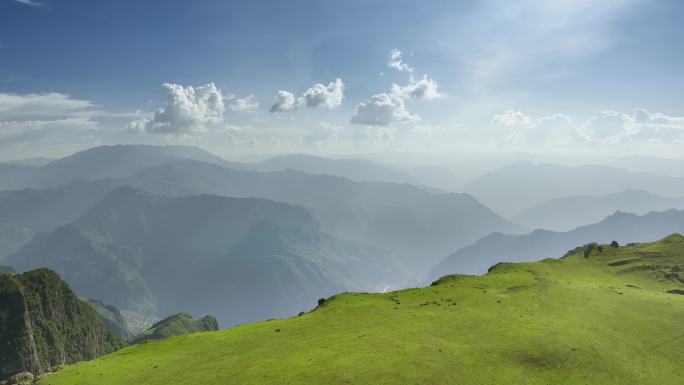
[[43, 324]]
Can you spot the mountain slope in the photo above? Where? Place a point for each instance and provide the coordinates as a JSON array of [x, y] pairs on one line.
[[176, 325], [111, 318], [665, 166], [44, 324], [517, 187], [613, 318], [495, 248], [361, 170], [30, 211], [419, 226], [567, 213], [101, 162], [159, 255]]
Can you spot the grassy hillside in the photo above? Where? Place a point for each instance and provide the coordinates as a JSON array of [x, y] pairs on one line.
[[605, 319], [176, 325]]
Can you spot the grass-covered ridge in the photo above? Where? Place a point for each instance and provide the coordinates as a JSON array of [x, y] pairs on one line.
[[176, 325], [605, 319]]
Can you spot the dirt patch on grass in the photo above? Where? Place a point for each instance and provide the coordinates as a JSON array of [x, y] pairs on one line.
[[676, 291]]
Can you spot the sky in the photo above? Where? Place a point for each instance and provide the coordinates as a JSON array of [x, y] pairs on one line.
[[343, 77]]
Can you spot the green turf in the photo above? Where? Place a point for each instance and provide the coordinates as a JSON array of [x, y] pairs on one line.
[[572, 321]]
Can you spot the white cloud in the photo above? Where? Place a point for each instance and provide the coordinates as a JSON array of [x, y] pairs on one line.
[[30, 122], [13, 106], [512, 118], [603, 127], [284, 101], [523, 130], [617, 127], [321, 96], [187, 109], [248, 104], [317, 96], [17, 127], [381, 110], [29, 3], [607, 126], [424, 88], [395, 61]]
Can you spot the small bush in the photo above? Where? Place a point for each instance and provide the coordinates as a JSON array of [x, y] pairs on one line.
[[614, 244]]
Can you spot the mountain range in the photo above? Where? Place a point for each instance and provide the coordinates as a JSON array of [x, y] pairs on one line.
[[418, 225], [511, 189], [539, 244], [564, 214], [241, 259]]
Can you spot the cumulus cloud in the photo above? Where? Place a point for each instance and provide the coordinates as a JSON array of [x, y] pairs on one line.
[[523, 130], [424, 88], [396, 62], [381, 110], [609, 126], [386, 108], [187, 109], [512, 118], [317, 96], [248, 104], [603, 127], [284, 101], [322, 96]]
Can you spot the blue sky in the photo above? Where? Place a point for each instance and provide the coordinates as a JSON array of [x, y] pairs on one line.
[[532, 75]]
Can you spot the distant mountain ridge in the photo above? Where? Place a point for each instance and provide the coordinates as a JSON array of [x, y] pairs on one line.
[[103, 162], [133, 249], [30, 211], [665, 166], [540, 244], [417, 225], [360, 170], [517, 187], [563, 214]]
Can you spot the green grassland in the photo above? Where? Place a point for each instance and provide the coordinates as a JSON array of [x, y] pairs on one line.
[[605, 319]]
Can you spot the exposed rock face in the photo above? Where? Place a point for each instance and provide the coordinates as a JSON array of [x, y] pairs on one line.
[[43, 324], [111, 318], [21, 378]]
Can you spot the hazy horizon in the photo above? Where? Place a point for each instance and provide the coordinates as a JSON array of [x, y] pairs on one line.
[[573, 78]]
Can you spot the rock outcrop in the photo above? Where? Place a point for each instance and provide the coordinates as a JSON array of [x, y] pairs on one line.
[[43, 324]]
